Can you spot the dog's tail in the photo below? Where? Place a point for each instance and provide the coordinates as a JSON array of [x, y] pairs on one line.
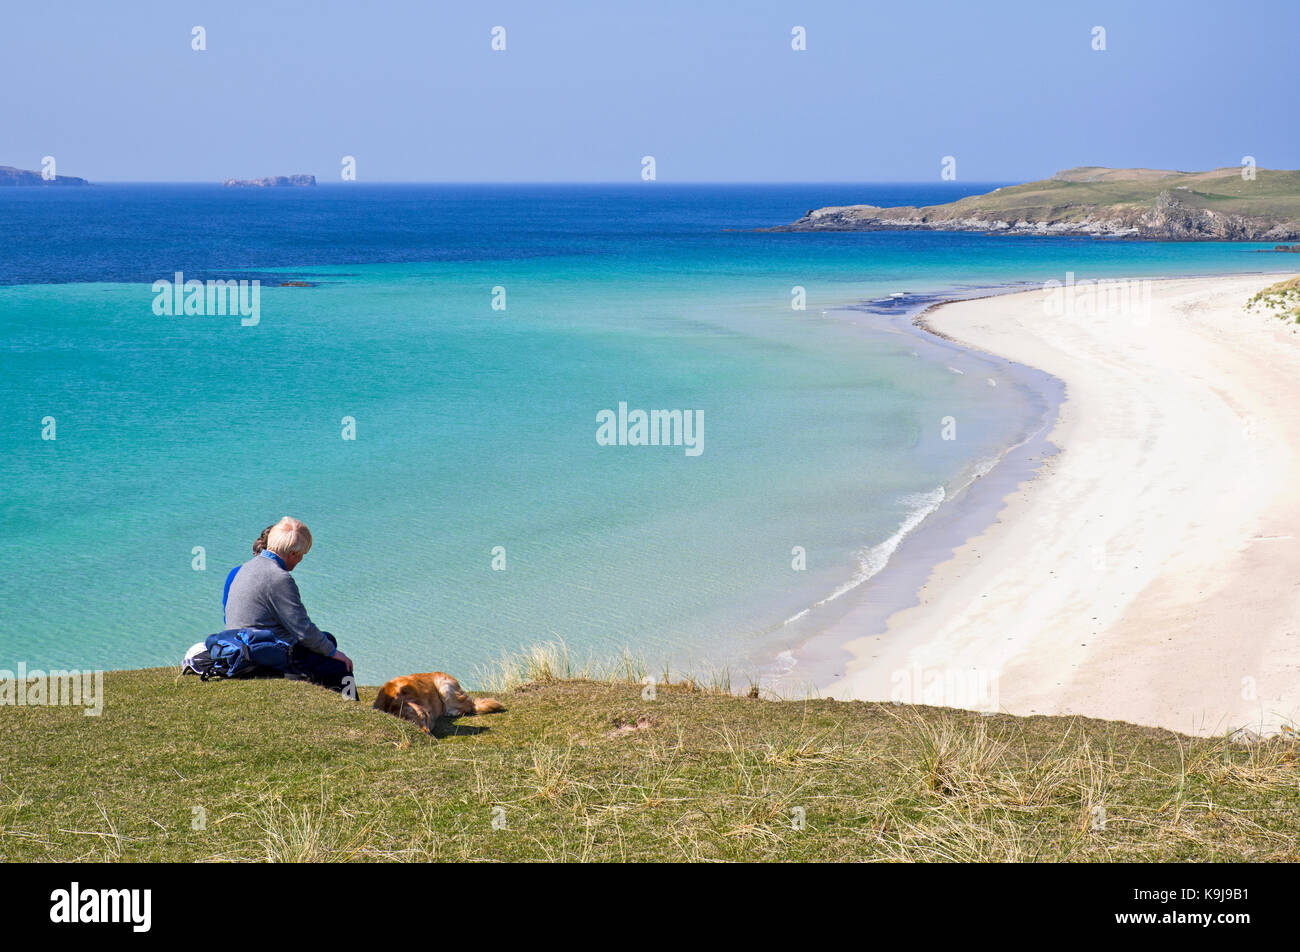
[[488, 705]]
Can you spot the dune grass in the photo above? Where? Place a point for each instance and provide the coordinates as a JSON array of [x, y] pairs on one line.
[[583, 769], [1281, 299]]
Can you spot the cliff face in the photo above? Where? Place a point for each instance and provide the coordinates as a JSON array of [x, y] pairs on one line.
[[1212, 206], [1174, 219], [273, 181], [12, 176]]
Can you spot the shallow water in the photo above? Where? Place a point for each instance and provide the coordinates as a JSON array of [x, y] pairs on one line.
[[476, 428]]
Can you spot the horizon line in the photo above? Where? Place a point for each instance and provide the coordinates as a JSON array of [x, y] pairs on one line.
[[333, 184]]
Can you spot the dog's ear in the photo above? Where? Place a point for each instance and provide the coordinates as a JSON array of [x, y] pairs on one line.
[[418, 715], [426, 720]]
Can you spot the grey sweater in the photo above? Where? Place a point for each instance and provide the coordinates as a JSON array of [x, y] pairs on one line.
[[264, 595]]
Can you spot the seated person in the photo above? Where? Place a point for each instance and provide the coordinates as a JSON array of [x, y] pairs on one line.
[[262, 594], [258, 546]]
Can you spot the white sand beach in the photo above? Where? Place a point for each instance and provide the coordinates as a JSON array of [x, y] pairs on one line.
[[1151, 571]]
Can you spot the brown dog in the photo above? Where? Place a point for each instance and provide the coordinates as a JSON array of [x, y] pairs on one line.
[[423, 698]]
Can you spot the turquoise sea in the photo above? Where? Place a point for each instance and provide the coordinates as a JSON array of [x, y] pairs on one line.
[[178, 438]]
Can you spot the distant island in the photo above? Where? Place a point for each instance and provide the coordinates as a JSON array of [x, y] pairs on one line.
[[273, 181], [1106, 203], [12, 176]]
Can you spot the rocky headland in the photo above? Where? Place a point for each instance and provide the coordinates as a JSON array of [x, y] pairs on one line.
[[1221, 205], [12, 176]]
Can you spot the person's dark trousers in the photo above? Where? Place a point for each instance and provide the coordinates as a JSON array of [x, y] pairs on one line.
[[318, 669]]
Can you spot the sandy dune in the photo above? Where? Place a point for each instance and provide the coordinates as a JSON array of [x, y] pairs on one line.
[[1151, 572]]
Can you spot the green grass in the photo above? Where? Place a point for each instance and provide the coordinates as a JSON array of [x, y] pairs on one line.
[[1272, 193], [1197, 201], [591, 770]]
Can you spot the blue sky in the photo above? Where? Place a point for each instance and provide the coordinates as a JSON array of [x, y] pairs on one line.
[[712, 90]]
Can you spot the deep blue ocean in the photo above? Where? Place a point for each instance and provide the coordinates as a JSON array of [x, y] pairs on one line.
[[468, 508]]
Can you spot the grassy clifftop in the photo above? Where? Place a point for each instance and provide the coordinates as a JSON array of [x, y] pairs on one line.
[[1127, 203], [583, 770]]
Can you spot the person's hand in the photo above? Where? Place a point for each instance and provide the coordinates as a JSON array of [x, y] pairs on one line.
[[342, 657]]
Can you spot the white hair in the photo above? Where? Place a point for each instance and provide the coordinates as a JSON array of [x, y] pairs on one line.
[[289, 537]]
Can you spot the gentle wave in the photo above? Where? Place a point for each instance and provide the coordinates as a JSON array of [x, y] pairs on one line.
[[872, 560]]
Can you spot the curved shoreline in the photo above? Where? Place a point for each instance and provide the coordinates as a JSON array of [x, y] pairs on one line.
[[971, 504], [1149, 477]]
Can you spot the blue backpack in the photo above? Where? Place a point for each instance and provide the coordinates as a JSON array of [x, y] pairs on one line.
[[238, 653]]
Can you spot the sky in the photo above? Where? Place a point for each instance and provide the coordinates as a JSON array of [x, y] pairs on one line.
[[583, 90]]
